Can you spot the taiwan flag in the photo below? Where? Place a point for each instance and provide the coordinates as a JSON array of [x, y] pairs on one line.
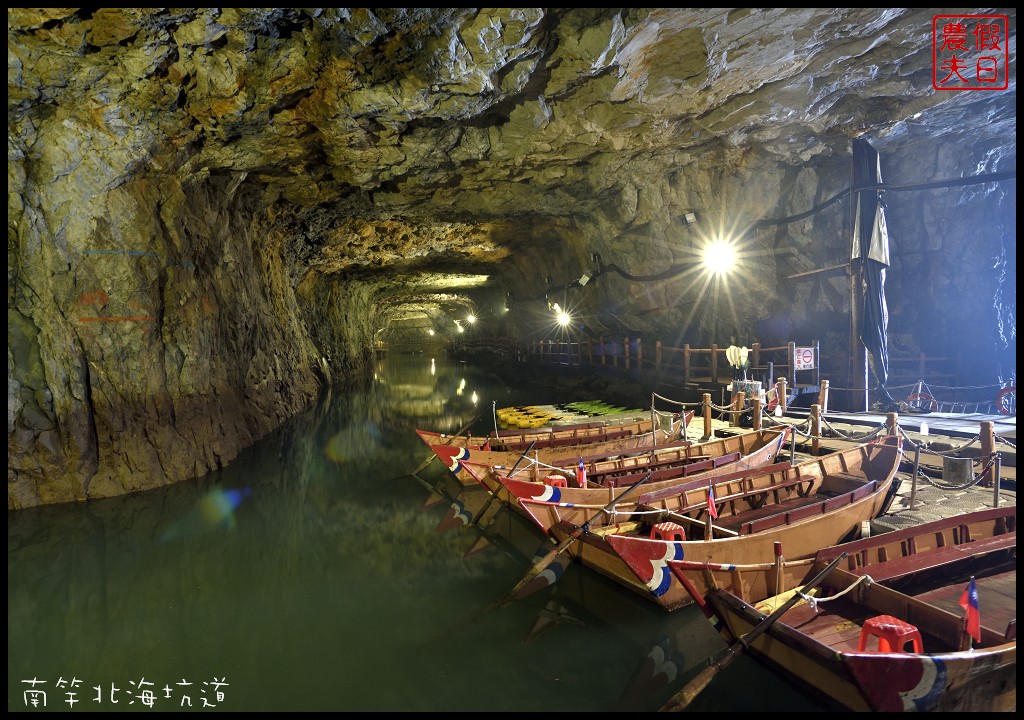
[[969, 602], [712, 507], [581, 474]]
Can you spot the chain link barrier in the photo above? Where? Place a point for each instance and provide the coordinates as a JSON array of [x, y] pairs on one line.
[[986, 467], [866, 437], [924, 394]]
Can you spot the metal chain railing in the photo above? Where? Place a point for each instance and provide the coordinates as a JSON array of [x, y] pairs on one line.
[[866, 437], [988, 465], [924, 394]]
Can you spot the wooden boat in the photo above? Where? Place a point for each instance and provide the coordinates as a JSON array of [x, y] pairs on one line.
[[894, 558], [665, 646], [618, 467], [668, 467], [561, 447], [669, 427], [805, 507], [865, 645]]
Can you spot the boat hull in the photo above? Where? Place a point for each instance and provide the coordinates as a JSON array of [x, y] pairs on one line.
[[620, 545]]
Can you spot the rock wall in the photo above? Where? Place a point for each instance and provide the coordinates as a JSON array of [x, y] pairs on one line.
[[154, 332], [213, 212]]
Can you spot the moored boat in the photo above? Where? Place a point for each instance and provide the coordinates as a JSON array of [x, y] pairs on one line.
[[934, 631], [559, 447], [813, 504], [660, 468]]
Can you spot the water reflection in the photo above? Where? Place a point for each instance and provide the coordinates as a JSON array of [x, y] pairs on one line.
[[310, 575], [214, 511]]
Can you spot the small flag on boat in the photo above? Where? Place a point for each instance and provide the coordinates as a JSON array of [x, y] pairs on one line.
[[712, 507], [969, 602], [581, 474]]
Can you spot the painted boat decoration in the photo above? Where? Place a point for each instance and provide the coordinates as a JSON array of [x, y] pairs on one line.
[[805, 507], [922, 619], [662, 468]]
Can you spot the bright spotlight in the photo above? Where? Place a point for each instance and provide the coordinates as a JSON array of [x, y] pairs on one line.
[[719, 257], [471, 319]]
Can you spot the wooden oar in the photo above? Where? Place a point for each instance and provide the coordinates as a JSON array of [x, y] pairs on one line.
[[540, 565], [684, 697], [479, 515], [416, 472]]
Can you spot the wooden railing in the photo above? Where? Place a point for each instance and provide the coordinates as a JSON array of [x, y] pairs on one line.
[[686, 365]]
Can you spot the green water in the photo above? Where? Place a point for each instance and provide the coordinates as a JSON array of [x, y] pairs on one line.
[[308, 575]]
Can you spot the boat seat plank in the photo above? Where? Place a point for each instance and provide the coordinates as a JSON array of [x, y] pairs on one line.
[[823, 627], [725, 459], [997, 600], [663, 474], [930, 559], [600, 457], [641, 468], [759, 519], [718, 481]]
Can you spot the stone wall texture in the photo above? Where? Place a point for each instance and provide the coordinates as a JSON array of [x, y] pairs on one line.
[[213, 213]]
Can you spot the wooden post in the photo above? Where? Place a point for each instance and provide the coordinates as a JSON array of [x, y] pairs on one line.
[[755, 350], [639, 354], [686, 365], [590, 351], [823, 397], [781, 393], [738, 402], [779, 563], [714, 362], [602, 349], [815, 427], [657, 356], [858, 353], [791, 349], [913, 481], [625, 352], [707, 415], [892, 423], [758, 405], [988, 445], [996, 464], [817, 363]]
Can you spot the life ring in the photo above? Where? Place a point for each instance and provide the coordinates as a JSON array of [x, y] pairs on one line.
[[1006, 400], [920, 400]]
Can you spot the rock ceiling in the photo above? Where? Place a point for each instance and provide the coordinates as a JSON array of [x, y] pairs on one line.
[[431, 146], [213, 213]]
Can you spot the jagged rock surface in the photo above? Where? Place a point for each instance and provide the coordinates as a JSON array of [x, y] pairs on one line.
[[212, 212]]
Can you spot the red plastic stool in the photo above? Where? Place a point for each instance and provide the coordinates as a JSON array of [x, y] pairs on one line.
[[893, 634], [668, 531], [555, 481]]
